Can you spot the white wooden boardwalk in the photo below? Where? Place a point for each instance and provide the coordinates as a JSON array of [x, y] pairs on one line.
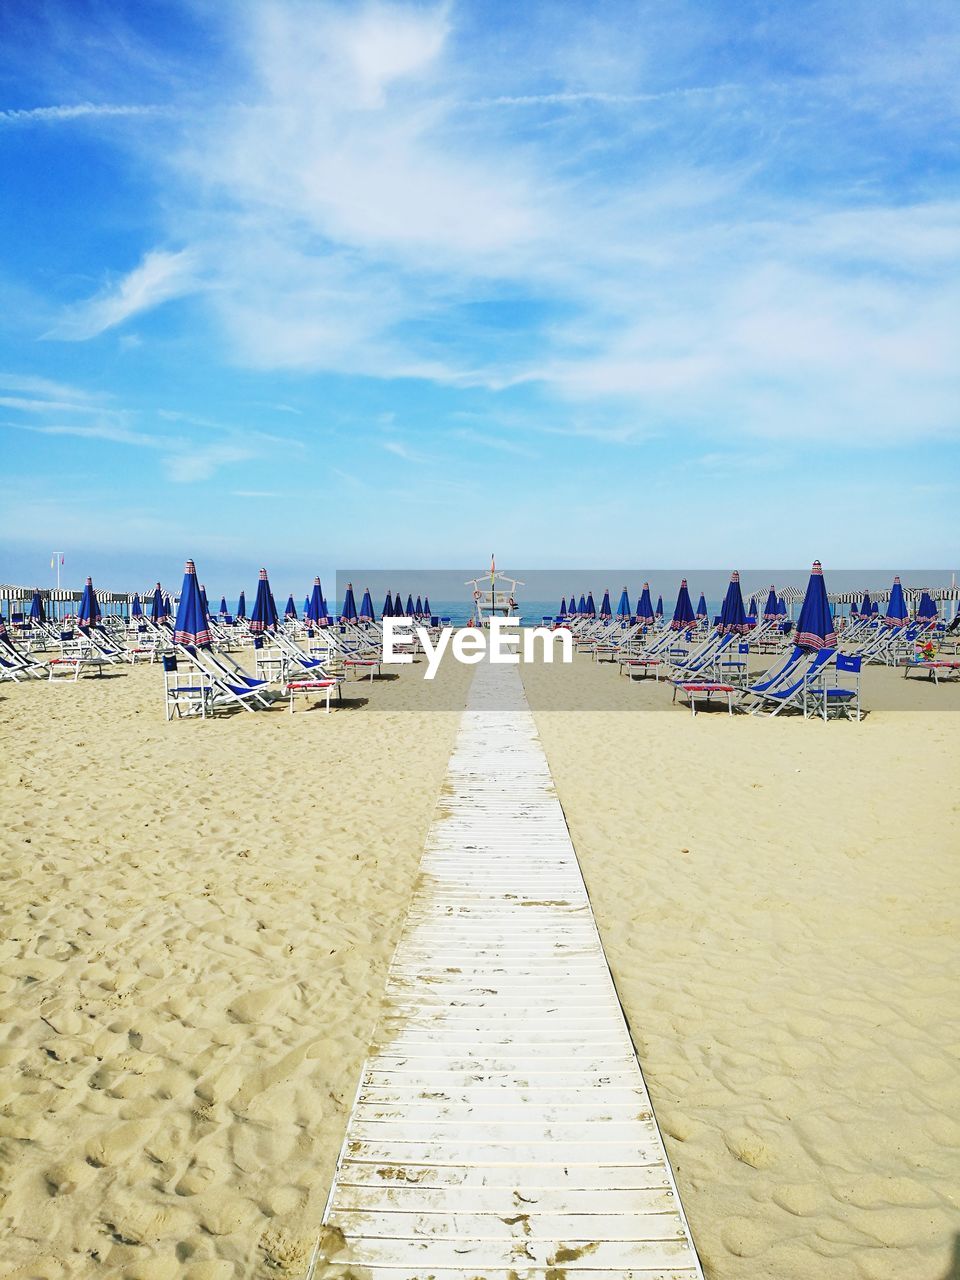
[[502, 1129]]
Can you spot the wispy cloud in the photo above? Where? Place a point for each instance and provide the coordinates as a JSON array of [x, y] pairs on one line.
[[77, 111], [160, 277]]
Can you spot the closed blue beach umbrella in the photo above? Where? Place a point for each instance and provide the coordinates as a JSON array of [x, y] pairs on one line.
[[782, 607], [606, 612], [290, 612], [418, 608], [349, 611], [702, 606], [875, 609], [167, 609], [815, 628], [315, 609], [366, 607], [866, 609], [623, 608], [88, 612], [410, 610], [242, 606], [659, 609], [683, 617], [926, 609], [733, 619], [37, 613], [563, 607], [645, 606], [263, 616], [752, 611], [203, 601], [572, 607], [387, 610], [136, 608], [771, 612], [582, 606], [426, 607], [897, 608], [191, 625], [156, 604], [224, 611], [591, 608]]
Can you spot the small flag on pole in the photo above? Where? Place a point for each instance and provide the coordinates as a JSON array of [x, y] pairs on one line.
[[53, 560]]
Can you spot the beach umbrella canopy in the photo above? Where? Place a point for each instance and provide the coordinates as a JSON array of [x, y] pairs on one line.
[[587, 608], [242, 606], [897, 608], [156, 604], [306, 605], [397, 605], [418, 608], [426, 606], [191, 625], [37, 613], [572, 607], [683, 616], [605, 610], [645, 606], [290, 612], [772, 611], [349, 611], [366, 607], [224, 611], [410, 611], [623, 608], [659, 610], [733, 620], [263, 615], [815, 628], [316, 610], [752, 611], [702, 606], [203, 601], [387, 610], [167, 610], [88, 612], [136, 608], [867, 607], [926, 609], [874, 609], [782, 607]]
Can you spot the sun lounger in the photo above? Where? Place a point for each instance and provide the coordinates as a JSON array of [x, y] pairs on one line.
[[307, 685], [936, 669], [789, 689], [74, 666], [705, 689]]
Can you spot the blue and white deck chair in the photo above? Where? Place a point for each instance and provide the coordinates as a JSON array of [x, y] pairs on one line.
[[184, 695], [833, 699]]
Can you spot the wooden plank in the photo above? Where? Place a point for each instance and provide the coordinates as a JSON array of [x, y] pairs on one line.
[[502, 1127]]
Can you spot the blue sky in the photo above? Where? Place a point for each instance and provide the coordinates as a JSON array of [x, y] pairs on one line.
[[312, 284]]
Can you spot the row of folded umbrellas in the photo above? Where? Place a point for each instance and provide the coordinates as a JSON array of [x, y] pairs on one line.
[[815, 626], [192, 625]]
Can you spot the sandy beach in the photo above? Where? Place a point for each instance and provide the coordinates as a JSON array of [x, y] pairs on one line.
[[197, 920], [196, 924], [777, 900]]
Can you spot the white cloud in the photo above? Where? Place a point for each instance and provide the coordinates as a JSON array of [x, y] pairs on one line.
[[77, 111], [158, 278]]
